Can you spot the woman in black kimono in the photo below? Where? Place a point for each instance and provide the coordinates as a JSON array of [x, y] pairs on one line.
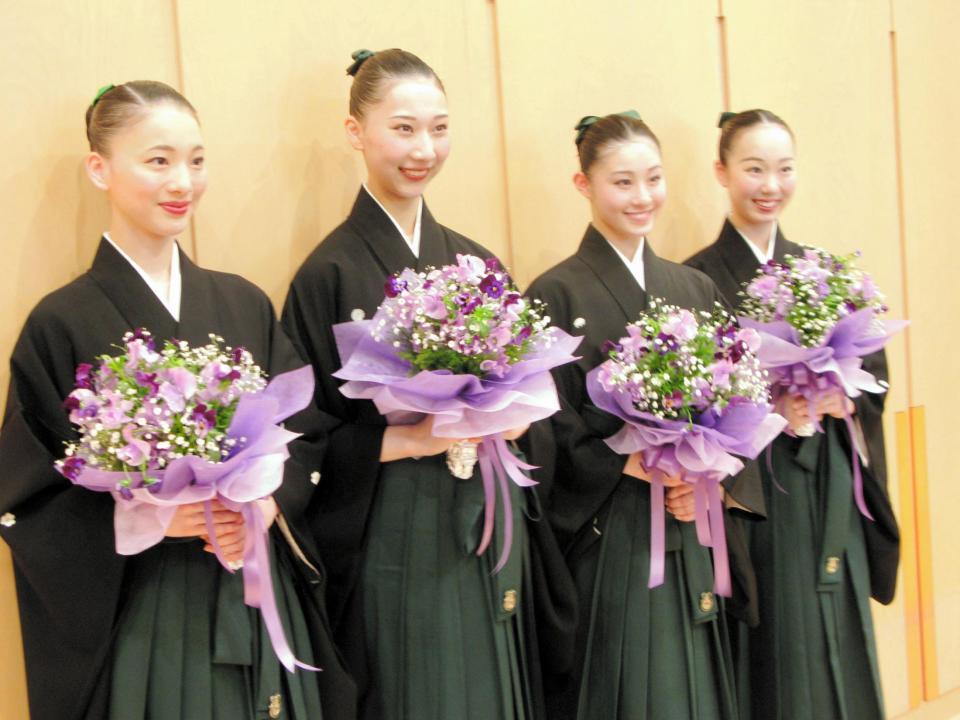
[[817, 559], [429, 631], [643, 654], [165, 633]]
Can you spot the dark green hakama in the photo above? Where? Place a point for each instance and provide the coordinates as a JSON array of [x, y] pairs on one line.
[[651, 653], [188, 647], [444, 633], [813, 657]]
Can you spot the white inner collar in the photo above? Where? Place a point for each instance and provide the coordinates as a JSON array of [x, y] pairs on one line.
[[761, 256], [413, 240], [170, 295], [635, 266]]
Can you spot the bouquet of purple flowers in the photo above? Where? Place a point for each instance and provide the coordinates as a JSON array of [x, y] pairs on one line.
[[459, 343], [692, 395], [818, 315], [160, 428]]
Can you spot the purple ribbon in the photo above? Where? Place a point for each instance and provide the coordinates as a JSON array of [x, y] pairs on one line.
[[142, 513], [497, 467]]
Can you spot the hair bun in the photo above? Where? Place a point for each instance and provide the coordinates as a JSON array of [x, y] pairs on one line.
[[724, 117], [359, 58]]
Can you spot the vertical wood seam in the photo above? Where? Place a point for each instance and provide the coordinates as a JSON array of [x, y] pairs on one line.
[[909, 560], [181, 86], [724, 56], [918, 436], [502, 121]]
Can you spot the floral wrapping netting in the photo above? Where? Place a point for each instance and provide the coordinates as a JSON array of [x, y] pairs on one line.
[[692, 395], [818, 316], [161, 428], [459, 343]]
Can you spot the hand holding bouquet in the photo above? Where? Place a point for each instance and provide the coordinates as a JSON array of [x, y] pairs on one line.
[[691, 393], [459, 343], [818, 316], [160, 429]]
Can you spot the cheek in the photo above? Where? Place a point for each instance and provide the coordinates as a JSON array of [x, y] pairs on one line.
[[441, 148], [199, 185]]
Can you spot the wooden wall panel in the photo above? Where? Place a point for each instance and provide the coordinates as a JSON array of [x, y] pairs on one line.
[[929, 104], [825, 68], [658, 58], [269, 83], [54, 57]]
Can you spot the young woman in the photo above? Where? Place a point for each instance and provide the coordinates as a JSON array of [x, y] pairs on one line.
[[163, 634], [817, 560], [644, 654], [429, 630]]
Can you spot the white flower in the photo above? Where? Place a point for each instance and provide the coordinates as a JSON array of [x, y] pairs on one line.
[[357, 314], [315, 477], [579, 322], [8, 520]]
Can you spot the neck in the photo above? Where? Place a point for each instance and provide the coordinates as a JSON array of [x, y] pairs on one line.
[[403, 210], [757, 233], [150, 253], [627, 246]]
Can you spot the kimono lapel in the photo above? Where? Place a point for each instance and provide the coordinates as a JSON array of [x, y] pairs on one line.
[[131, 296], [199, 308], [379, 233], [623, 288], [433, 245], [739, 262], [661, 278], [784, 247]]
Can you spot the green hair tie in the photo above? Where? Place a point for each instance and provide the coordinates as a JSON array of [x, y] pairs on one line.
[[724, 117], [100, 93], [359, 58], [587, 120]]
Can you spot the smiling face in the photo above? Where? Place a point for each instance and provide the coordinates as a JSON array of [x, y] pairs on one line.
[[759, 175], [626, 188], [153, 172], [404, 139]]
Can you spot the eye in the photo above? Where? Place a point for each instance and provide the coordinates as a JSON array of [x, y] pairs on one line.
[[787, 169], [623, 182], [656, 179], [404, 128], [159, 160], [442, 128], [198, 162], [754, 170]]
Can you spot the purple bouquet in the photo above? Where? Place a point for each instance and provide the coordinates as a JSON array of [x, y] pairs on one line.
[[818, 316], [160, 428], [691, 393], [459, 343]]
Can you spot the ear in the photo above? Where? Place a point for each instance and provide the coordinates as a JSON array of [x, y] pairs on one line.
[[582, 183], [97, 170], [720, 170], [354, 131]]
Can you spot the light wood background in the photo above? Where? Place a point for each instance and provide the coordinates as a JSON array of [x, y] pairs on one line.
[[865, 84]]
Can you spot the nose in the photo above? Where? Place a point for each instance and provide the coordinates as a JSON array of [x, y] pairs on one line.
[[641, 194], [180, 180], [771, 184], [423, 148]]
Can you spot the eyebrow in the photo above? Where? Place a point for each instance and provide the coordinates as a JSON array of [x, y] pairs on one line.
[[402, 116], [756, 159], [631, 172], [170, 148]]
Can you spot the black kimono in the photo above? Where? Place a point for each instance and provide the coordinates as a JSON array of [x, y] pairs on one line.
[[112, 636], [427, 629], [643, 654], [817, 559]]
